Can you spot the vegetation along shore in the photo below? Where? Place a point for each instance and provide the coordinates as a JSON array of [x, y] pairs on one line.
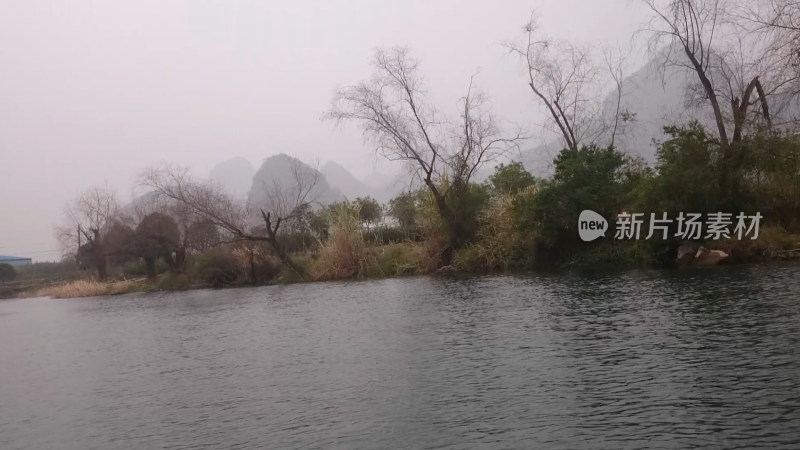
[[511, 222]]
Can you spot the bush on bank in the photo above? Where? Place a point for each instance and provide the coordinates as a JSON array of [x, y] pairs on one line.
[[217, 267], [7, 272], [537, 226]]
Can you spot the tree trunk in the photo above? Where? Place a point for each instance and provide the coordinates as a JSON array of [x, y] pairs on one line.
[[712, 96], [98, 260], [272, 239], [284, 257], [252, 262], [740, 110], [180, 260], [100, 264], [455, 237], [150, 267]]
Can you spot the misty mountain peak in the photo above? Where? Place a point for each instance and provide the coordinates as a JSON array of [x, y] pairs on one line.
[[287, 175], [339, 177], [235, 175]]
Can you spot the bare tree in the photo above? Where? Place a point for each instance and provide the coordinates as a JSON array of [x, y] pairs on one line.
[[567, 81], [88, 219], [288, 196], [213, 206], [395, 115], [772, 14], [189, 224], [617, 124], [202, 235], [687, 28], [775, 25], [158, 236], [732, 66]]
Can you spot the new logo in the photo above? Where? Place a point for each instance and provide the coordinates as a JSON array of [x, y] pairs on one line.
[[591, 225]]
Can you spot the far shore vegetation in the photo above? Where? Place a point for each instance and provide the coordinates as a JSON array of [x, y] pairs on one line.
[[512, 222], [740, 154]]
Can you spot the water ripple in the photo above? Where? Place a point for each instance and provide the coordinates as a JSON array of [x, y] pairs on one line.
[[655, 359]]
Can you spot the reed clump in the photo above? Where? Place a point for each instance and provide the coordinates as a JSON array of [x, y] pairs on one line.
[[345, 253], [88, 288]]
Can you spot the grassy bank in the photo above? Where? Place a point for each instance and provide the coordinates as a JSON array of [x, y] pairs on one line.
[[90, 288], [348, 260]]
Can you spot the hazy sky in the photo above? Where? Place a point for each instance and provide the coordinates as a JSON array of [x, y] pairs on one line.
[[94, 91]]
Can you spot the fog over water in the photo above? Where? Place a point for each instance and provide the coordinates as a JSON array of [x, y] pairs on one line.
[[92, 92]]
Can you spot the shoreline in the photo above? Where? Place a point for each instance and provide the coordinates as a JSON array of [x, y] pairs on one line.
[[83, 288]]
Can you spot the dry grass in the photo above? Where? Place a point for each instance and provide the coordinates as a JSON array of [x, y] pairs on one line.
[[88, 288], [499, 244], [344, 254]]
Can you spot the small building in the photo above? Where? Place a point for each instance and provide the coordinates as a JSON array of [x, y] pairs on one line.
[[15, 260]]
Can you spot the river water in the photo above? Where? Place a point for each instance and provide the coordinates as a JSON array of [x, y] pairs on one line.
[[672, 359]]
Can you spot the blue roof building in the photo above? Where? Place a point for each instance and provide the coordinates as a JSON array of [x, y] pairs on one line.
[[15, 260]]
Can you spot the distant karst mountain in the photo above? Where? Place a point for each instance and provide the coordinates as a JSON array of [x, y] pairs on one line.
[[339, 178], [234, 175], [657, 99], [277, 181]]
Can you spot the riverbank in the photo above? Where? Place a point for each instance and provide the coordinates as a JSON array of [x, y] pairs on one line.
[[400, 260], [511, 222]]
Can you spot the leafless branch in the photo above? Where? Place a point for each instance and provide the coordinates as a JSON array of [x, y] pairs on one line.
[[395, 116]]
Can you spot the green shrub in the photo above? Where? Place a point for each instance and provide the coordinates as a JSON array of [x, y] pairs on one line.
[[7, 272], [404, 209], [173, 282], [266, 268], [384, 235], [600, 179], [467, 205], [687, 176], [772, 179], [287, 275], [397, 259], [296, 242], [319, 223], [510, 178], [137, 268], [217, 267], [369, 210]]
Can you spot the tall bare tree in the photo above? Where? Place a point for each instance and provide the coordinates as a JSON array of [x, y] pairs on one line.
[[396, 116], [775, 24], [568, 82], [88, 219], [740, 75], [687, 28]]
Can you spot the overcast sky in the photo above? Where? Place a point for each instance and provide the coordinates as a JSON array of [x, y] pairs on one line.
[[92, 92]]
